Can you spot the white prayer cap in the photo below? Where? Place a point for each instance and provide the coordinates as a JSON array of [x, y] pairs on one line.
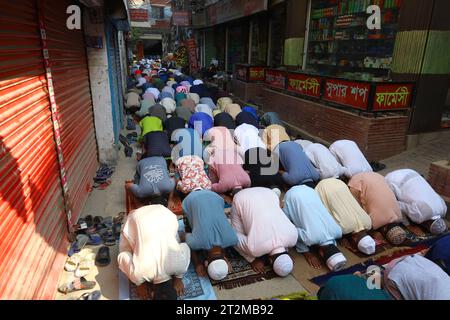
[[218, 270], [367, 245], [154, 91], [337, 262], [439, 226], [197, 82], [169, 104], [283, 265], [195, 97]]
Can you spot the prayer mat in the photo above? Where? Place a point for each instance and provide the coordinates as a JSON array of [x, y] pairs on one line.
[[416, 235], [362, 267], [195, 288], [382, 244], [242, 274]]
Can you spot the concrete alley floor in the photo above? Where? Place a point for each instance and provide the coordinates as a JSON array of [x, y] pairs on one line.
[[111, 201]]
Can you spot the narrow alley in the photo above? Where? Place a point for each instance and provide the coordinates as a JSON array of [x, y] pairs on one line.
[[224, 150]]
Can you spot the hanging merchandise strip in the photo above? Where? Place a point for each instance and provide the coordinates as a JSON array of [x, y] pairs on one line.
[[55, 113]]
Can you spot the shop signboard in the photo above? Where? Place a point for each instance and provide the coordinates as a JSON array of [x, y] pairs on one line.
[[192, 48], [248, 73], [276, 78], [304, 84], [180, 18], [395, 96], [228, 10], [256, 74], [355, 94], [139, 15]]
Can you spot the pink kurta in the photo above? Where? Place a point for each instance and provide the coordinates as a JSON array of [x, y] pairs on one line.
[[261, 225], [226, 170], [376, 198]]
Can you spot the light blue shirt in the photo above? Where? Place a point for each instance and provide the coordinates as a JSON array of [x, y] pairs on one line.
[[314, 223], [210, 227]]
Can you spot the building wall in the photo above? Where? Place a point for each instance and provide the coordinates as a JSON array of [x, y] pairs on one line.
[[101, 94]]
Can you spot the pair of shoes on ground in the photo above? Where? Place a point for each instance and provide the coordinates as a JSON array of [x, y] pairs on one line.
[[128, 149], [80, 263], [103, 174]]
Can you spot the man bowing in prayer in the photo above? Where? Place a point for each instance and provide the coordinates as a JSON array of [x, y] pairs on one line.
[[150, 252], [263, 229], [211, 232]]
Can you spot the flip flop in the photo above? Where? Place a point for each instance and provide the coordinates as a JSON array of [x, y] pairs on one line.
[[103, 258], [108, 222], [98, 220], [109, 240], [77, 285], [89, 220], [102, 186], [96, 295], [84, 268], [95, 240], [79, 244], [72, 263], [124, 141]]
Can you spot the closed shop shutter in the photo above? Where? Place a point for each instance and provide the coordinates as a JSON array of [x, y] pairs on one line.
[[33, 224], [67, 53]]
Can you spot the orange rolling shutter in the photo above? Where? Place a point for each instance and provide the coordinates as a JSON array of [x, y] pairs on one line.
[[33, 224], [67, 55]]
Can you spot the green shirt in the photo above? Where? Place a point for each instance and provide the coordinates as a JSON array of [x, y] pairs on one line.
[[149, 124]]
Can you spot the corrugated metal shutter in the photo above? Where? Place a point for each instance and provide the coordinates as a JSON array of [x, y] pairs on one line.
[[32, 216], [72, 90]]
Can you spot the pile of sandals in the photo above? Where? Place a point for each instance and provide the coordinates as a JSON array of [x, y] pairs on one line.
[[93, 232]]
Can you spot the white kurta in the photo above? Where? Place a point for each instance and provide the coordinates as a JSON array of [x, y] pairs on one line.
[[149, 250], [260, 224], [416, 197], [324, 161], [351, 157]]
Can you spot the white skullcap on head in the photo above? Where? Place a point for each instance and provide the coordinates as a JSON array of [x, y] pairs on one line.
[[367, 245], [197, 82], [169, 104], [283, 265], [195, 97], [337, 262], [218, 270]]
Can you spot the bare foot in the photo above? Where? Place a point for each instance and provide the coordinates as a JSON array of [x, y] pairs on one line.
[[178, 286], [142, 292], [313, 260], [258, 266], [201, 270]]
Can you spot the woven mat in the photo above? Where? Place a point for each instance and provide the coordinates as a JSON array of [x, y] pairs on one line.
[[415, 236], [195, 288], [242, 274], [362, 267]]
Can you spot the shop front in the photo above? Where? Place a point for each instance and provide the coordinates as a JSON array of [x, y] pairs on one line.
[[349, 76]]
